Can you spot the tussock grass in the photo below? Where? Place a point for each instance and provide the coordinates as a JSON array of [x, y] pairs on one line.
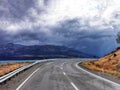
[[95, 67], [108, 64], [8, 67]]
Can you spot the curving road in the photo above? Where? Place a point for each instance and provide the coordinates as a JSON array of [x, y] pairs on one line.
[[63, 75]]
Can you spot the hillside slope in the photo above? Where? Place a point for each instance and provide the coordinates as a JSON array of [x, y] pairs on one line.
[[108, 64], [16, 51]]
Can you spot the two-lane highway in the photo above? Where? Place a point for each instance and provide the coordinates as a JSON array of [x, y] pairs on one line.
[[63, 75]]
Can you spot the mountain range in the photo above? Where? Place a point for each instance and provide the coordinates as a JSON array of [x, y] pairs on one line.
[[21, 52]]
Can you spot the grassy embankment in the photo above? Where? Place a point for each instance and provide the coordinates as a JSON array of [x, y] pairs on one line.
[[108, 64], [8, 67]]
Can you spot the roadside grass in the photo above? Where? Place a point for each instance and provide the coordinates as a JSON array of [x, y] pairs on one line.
[[96, 67], [8, 67]]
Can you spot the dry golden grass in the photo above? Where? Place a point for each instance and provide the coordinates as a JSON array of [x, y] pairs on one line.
[[94, 67], [8, 67], [109, 64]]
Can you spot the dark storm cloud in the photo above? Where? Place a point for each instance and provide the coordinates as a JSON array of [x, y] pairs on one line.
[[72, 29], [37, 24], [26, 36], [15, 9], [67, 33], [5, 37], [46, 2], [89, 40]]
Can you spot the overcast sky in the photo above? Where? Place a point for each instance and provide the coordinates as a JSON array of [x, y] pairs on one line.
[[90, 26]]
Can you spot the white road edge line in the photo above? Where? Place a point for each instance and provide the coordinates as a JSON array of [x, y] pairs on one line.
[[18, 88], [99, 77], [74, 86]]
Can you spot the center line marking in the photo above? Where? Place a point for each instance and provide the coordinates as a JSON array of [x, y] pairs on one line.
[[74, 86], [64, 73]]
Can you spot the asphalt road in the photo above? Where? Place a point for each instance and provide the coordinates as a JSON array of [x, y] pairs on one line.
[[63, 75]]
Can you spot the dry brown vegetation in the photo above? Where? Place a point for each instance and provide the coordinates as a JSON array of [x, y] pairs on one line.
[[8, 67], [108, 64]]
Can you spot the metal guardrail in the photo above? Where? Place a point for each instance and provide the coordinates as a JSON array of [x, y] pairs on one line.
[[13, 73]]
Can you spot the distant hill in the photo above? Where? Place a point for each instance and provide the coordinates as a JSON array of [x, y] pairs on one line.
[[16, 51], [108, 64]]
